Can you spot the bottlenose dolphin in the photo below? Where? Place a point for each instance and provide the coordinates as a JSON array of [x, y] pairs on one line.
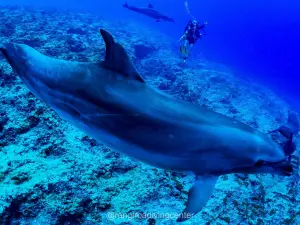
[[149, 11], [111, 102]]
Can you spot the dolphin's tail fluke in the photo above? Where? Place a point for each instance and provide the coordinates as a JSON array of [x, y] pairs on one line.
[[125, 5]]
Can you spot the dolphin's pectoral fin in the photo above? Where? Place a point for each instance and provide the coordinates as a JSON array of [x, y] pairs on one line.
[[289, 146], [286, 132], [272, 131], [116, 58], [158, 20], [283, 130], [198, 196]]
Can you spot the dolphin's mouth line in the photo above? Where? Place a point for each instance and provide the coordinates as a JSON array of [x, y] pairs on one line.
[[268, 163], [275, 164]]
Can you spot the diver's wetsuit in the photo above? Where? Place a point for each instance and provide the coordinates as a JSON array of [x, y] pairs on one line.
[[193, 31]]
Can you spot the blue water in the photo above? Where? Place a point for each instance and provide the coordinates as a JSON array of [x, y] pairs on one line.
[[255, 38]]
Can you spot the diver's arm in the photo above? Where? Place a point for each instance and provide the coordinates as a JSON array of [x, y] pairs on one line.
[[182, 37]]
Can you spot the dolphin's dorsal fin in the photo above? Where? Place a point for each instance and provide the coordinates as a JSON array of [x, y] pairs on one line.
[[150, 6], [116, 58], [198, 196]]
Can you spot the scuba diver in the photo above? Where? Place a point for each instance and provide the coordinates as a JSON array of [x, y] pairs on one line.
[[191, 35], [193, 31]]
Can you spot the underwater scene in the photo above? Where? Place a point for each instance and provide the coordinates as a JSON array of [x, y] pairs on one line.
[[149, 112]]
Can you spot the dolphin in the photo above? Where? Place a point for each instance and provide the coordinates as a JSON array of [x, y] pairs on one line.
[[112, 103], [149, 11]]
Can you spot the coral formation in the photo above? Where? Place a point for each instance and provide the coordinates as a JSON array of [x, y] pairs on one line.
[[51, 173]]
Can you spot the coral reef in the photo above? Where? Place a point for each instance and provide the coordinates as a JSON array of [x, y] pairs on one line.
[[51, 173]]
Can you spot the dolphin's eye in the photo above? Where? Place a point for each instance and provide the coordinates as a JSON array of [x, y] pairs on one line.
[[259, 163]]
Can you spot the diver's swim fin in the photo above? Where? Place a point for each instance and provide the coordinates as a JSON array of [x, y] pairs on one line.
[[183, 49], [183, 52]]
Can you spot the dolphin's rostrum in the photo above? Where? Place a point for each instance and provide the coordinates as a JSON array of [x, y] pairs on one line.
[[111, 102]]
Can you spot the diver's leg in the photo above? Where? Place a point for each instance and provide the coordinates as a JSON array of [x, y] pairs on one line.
[[183, 49], [186, 43], [190, 49]]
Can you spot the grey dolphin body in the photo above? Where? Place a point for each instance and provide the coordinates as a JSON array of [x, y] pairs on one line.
[[112, 103], [149, 11]]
